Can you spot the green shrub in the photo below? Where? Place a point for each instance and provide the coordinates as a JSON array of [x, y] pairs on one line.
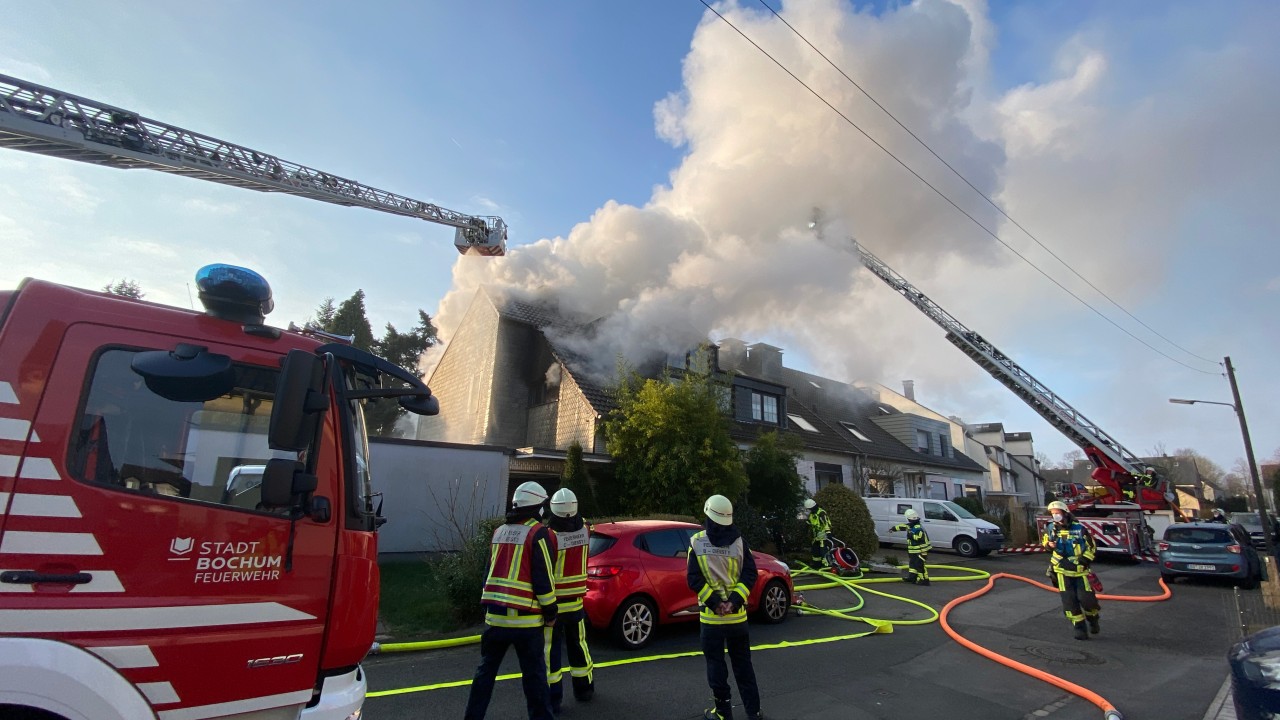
[[463, 573], [850, 519], [972, 504]]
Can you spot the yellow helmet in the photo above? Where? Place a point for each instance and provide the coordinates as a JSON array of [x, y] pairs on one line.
[[1059, 505]]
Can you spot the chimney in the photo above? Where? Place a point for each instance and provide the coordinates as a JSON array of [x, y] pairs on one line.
[[909, 389]]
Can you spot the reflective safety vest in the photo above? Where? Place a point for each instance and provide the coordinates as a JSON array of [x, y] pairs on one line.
[[721, 572], [510, 581], [819, 524], [571, 568], [1071, 546], [917, 538]]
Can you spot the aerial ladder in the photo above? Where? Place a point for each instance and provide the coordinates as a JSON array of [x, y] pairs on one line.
[[1127, 485], [42, 120]]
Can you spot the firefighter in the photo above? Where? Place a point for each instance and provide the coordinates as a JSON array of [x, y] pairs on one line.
[[571, 536], [918, 547], [519, 598], [820, 530], [1218, 516], [1073, 550], [722, 571]]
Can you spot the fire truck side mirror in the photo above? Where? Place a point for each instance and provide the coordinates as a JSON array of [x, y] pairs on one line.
[[285, 484], [299, 403], [188, 373]]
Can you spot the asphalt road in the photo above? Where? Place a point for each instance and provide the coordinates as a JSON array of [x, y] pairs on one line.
[[1157, 660]]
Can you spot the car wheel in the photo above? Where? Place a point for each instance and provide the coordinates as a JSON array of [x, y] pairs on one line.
[[634, 623], [1250, 583], [966, 546], [775, 603]]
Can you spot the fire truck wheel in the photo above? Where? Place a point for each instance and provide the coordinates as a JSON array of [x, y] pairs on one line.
[[966, 546]]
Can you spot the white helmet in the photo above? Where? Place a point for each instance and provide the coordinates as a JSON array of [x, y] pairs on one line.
[[810, 503], [564, 503], [911, 514], [529, 493], [719, 509]]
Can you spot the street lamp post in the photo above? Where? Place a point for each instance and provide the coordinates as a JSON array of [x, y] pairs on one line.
[[1248, 449]]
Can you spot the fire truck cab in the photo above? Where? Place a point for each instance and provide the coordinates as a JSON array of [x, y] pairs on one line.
[[187, 527]]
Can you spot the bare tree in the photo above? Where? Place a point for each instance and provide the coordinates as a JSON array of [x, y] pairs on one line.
[[457, 514], [1070, 457], [879, 473]]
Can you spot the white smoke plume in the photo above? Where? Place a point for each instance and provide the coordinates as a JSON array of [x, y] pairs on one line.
[[1102, 164]]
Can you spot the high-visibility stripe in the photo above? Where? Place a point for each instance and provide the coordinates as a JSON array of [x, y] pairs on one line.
[[39, 468], [18, 542], [52, 506], [237, 707], [147, 618], [8, 465], [14, 429], [6, 394], [124, 657], [159, 693]]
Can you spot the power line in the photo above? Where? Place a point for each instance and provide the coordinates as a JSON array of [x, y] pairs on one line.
[[942, 195], [981, 194]]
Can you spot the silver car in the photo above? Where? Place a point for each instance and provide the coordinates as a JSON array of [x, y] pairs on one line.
[[1209, 550]]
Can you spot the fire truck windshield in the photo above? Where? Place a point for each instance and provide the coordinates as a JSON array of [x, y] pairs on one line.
[[132, 439]]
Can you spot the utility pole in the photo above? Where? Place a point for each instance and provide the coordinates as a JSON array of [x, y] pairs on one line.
[[1248, 454]]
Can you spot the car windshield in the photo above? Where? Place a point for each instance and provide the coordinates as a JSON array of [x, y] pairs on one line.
[[959, 510], [1198, 535]]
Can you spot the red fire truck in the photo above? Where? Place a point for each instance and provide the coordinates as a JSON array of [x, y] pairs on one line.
[[187, 527]]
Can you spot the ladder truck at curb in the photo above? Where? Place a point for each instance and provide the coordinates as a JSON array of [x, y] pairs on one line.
[[1128, 487], [187, 518]]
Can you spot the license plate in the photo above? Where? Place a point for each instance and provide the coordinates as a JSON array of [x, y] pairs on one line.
[[1202, 567]]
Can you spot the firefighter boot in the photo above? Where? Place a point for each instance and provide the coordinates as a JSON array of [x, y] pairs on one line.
[[922, 581], [1081, 632], [583, 689], [722, 711], [1094, 624]]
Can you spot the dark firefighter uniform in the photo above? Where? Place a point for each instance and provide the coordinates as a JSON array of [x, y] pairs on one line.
[[572, 538], [519, 598], [819, 529], [722, 569], [1073, 550], [918, 547]]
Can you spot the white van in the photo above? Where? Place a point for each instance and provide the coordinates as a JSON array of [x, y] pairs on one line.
[[949, 525]]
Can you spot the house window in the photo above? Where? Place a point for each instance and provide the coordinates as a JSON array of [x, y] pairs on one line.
[[937, 489], [944, 446], [828, 474], [802, 423], [922, 441], [854, 429], [764, 408], [958, 489]]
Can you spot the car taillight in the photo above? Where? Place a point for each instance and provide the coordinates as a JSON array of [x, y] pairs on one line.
[[603, 571], [1162, 546], [1234, 549]]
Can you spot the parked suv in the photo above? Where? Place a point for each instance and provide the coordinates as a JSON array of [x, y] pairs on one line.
[[1253, 526], [1209, 550], [637, 580]]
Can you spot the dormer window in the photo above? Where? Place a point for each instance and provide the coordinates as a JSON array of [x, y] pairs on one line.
[[764, 408]]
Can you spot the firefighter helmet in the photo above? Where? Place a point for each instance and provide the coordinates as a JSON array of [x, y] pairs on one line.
[[810, 503], [911, 514], [1059, 505], [564, 503], [528, 494], [719, 509]]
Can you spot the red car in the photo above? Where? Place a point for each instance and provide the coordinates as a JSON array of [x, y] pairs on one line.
[[636, 580]]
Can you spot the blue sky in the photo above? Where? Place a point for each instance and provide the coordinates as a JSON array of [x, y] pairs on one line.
[[656, 169]]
